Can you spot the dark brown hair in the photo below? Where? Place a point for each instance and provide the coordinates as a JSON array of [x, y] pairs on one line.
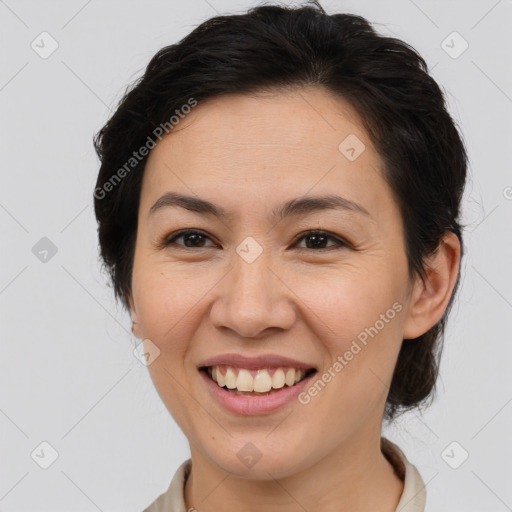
[[274, 47]]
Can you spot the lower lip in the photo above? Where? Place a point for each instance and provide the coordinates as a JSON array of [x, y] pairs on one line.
[[252, 405]]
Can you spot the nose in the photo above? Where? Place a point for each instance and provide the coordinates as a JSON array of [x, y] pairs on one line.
[[253, 300]]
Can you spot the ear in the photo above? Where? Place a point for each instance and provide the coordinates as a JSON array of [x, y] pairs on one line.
[[135, 319], [431, 296]]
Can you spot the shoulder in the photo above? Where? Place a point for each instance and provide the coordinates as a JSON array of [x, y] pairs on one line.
[[414, 495], [172, 500]]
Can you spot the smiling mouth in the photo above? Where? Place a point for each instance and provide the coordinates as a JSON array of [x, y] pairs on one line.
[[265, 381]]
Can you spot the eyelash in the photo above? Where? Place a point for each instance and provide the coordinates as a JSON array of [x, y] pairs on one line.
[[169, 240]]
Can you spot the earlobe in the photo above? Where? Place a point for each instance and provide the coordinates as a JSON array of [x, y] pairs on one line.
[[135, 328], [135, 319], [430, 296]]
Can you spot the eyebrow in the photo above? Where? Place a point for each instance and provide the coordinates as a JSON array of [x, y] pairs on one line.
[[298, 206]]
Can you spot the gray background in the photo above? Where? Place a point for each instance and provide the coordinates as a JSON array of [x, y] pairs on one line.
[[68, 375]]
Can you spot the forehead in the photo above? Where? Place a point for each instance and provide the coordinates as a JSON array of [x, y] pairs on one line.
[[261, 148], [273, 125]]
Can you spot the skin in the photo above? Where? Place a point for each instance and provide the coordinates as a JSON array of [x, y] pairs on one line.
[[249, 154]]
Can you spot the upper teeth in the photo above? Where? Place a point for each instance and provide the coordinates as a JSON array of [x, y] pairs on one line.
[[261, 382]]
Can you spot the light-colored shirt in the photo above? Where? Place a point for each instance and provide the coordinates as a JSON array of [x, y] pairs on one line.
[[413, 497]]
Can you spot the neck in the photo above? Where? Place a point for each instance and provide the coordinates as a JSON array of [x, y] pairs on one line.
[[352, 477]]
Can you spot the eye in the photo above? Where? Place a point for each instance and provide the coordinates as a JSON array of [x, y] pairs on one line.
[[318, 239], [191, 239]]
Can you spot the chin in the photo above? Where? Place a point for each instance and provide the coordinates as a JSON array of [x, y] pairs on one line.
[[258, 458]]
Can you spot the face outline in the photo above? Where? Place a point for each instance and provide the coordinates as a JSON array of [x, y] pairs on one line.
[[196, 303]]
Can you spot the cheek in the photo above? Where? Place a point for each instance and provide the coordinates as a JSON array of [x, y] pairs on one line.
[[359, 315], [348, 299], [165, 299], [167, 304]]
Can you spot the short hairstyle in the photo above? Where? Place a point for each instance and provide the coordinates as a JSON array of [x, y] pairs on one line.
[[272, 48]]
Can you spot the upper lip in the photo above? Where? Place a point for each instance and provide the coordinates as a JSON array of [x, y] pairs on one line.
[[255, 363]]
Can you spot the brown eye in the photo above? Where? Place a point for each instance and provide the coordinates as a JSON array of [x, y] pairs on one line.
[[319, 239], [191, 239]]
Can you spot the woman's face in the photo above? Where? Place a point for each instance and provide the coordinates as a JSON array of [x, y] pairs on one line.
[[254, 282]]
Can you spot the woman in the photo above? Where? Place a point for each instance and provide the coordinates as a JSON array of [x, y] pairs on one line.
[[278, 206]]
